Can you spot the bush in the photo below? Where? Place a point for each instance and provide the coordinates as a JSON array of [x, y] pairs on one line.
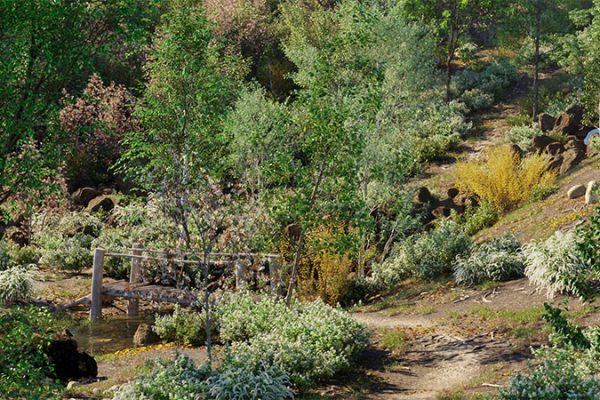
[[555, 265], [308, 341], [558, 375], [497, 260], [588, 243], [67, 253], [16, 285], [523, 135], [180, 379], [478, 218], [475, 99], [114, 239], [24, 334], [24, 255], [503, 179], [4, 256], [183, 326], [427, 255]]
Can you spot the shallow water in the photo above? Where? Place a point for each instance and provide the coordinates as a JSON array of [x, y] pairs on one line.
[[106, 336]]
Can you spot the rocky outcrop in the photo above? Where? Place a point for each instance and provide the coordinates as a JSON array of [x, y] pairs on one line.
[[103, 202], [83, 196], [144, 335], [431, 207], [546, 122], [576, 191], [68, 362]]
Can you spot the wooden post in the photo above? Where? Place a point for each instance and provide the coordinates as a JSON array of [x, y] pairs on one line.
[[97, 273], [133, 307], [240, 273], [274, 275]]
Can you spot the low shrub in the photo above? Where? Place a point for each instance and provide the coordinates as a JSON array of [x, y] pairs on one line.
[[588, 241], [476, 99], [504, 179], [477, 218], [426, 255], [308, 341], [16, 285], [523, 135], [555, 265], [4, 255], [180, 379], [557, 375], [184, 326], [24, 367], [66, 253], [24, 255], [114, 239], [497, 260]]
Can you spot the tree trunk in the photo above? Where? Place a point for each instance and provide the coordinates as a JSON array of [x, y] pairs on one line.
[[536, 66]]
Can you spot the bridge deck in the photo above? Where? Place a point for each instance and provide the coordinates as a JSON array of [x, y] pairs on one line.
[[149, 292]]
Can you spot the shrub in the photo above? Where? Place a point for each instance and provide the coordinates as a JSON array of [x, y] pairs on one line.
[[588, 243], [67, 253], [308, 341], [16, 285], [503, 179], [427, 255], [558, 375], [183, 326], [523, 135], [4, 256], [555, 265], [497, 260], [24, 367], [114, 239], [475, 99], [180, 379], [24, 255], [326, 272], [477, 218]]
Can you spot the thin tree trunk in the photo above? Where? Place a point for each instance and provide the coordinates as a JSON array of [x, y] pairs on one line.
[[452, 42], [538, 18]]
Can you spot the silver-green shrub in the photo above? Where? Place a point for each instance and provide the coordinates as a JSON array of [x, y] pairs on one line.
[[555, 264], [499, 259], [184, 326], [16, 284], [523, 135], [308, 341]]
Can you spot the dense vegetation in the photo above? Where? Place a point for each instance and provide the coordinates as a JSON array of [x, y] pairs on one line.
[[293, 127]]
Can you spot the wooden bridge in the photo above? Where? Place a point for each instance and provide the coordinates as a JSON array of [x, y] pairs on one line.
[[135, 288]]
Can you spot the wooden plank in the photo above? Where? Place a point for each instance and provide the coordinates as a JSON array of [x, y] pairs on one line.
[[97, 274], [133, 307]]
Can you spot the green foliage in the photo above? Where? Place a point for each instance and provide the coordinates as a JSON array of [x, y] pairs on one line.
[[555, 265], [24, 366], [522, 136], [23, 255], [477, 218], [426, 255], [16, 285], [114, 239], [564, 333], [497, 260], [183, 326], [558, 375], [308, 341], [66, 253], [180, 379], [588, 243]]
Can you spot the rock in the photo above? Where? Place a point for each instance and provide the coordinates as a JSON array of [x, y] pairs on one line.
[[72, 384], [517, 150], [83, 195], [571, 158], [590, 197], [546, 122], [453, 192], [569, 122], [423, 195], [465, 200], [555, 163], [555, 148], [441, 211], [144, 335], [103, 202], [540, 142], [576, 192], [67, 361]]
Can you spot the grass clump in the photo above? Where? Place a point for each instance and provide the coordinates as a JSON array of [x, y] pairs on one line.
[[183, 326], [16, 285], [504, 179]]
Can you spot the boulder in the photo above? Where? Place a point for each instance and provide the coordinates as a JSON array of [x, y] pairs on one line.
[[517, 150], [423, 195], [453, 192], [144, 335], [576, 191], [68, 362], [571, 158], [540, 142], [554, 148], [83, 195], [103, 202], [546, 122], [441, 211], [555, 162], [590, 197], [569, 122]]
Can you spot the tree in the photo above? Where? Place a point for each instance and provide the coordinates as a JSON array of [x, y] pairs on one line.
[[451, 19]]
